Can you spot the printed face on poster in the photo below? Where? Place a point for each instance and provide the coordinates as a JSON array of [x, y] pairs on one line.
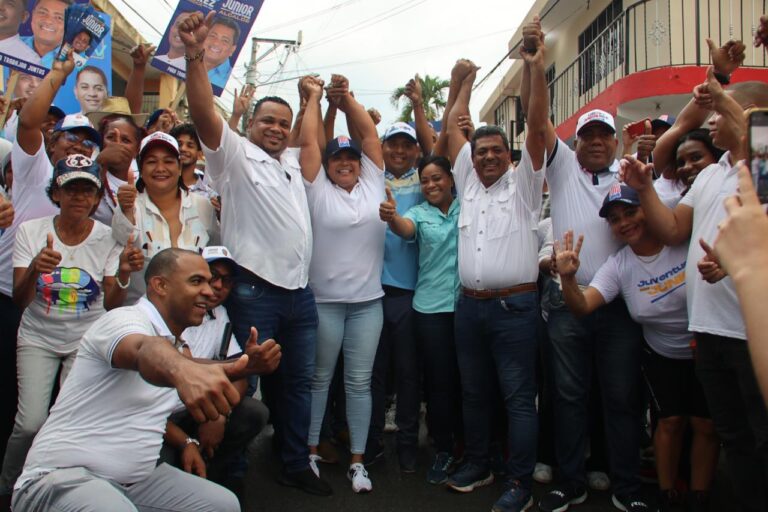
[[30, 37], [226, 37]]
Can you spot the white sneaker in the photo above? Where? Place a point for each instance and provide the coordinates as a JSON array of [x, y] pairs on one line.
[[598, 481], [389, 418], [313, 460], [542, 473], [359, 478]]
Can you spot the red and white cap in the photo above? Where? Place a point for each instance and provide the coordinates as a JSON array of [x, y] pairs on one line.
[[595, 116], [158, 138]]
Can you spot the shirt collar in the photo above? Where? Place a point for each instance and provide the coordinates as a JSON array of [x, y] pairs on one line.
[[154, 316], [407, 174], [287, 158]]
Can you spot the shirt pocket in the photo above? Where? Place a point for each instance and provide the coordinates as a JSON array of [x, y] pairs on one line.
[[503, 218], [263, 174], [465, 219], [432, 233]]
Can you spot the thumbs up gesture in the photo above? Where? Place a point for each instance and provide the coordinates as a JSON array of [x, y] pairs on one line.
[[47, 259], [709, 266], [6, 213], [646, 143], [126, 195], [131, 258], [388, 208]]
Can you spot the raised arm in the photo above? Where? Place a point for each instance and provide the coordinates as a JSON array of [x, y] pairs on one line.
[[310, 157], [359, 118], [539, 137], [541, 132], [567, 257], [134, 88], [413, 91], [672, 227], [441, 146], [465, 73], [240, 106], [193, 31], [35, 110]]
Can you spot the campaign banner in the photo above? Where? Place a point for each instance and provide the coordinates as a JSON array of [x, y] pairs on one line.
[[84, 29], [226, 38]]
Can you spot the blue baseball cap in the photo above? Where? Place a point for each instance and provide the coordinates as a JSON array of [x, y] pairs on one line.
[[77, 167], [340, 144], [663, 120], [74, 122], [619, 193]]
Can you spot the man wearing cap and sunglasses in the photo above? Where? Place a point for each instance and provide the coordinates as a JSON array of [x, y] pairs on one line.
[[606, 341], [32, 166], [265, 222]]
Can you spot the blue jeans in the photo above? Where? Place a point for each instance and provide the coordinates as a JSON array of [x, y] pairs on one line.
[[611, 343], [290, 317], [499, 335], [355, 329]]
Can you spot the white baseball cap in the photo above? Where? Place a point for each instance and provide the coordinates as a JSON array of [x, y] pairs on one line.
[[595, 116], [401, 128], [158, 138], [219, 252]]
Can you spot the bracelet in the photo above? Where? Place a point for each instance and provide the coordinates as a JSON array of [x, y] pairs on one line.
[[198, 55], [723, 79], [121, 285], [191, 440]]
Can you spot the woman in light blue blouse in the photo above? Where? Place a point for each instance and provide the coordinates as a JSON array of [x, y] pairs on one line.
[[433, 224]]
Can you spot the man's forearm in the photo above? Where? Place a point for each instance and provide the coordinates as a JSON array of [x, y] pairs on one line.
[[423, 130], [441, 147], [662, 221], [134, 88], [200, 101], [573, 296], [159, 362]]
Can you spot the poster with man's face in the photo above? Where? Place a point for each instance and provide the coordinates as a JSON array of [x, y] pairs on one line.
[[30, 36], [226, 37]]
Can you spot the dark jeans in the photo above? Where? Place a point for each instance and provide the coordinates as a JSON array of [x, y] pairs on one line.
[[609, 342], [437, 353], [248, 418], [739, 413], [10, 316], [290, 317], [497, 337], [397, 345]]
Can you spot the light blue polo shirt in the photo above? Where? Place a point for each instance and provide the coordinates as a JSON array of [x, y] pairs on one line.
[[437, 235], [401, 256]]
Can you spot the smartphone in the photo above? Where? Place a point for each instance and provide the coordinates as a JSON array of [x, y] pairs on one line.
[[638, 128], [758, 151]]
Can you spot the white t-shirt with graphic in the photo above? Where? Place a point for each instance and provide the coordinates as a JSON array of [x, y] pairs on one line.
[[70, 299], [654, 289]]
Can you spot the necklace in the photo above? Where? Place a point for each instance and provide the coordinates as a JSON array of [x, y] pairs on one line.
[[69, 248], [649, 259]]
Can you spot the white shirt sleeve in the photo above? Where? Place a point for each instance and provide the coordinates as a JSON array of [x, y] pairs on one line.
[[30, 170], [546, 239], [23, 251], [607, 281], [113, 260], [106, 334], [122, 228], [222, 158], [562, 158], [370, 171], [207, 215], [530, 181], [463, 167]]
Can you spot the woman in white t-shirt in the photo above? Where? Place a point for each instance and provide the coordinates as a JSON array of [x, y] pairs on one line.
[[158, 211], [67, 270], [651, 279], [347, 258]]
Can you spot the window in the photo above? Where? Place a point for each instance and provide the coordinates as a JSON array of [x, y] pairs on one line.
[[601, 46]]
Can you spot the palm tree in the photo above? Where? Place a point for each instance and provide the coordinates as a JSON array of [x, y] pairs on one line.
[[431, 94]]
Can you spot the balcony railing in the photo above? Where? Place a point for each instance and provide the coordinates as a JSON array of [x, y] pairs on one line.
[[651, 34]]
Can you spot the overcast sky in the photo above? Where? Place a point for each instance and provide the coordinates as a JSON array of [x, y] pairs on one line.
[[377, 44]]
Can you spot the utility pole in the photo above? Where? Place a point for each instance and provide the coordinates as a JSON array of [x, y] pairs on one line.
[[250, 76]]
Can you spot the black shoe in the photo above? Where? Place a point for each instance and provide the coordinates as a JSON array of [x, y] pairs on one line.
[[307, 481], [630, 503], [562, 497], [698, 501], [374, 452], [669, 500], [407, 459]]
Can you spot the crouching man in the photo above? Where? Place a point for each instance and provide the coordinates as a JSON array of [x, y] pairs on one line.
[[99, 447]]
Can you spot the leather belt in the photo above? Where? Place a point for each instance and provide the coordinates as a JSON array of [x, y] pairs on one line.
[[500, 292]]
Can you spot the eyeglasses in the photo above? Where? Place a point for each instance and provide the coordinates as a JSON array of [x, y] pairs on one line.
[[226, 279], [73, 138]]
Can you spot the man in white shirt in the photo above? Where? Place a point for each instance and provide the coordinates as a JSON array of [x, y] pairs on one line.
[[607, 341], [99, 446], [723, 363], [497, 311], [265, 223], [208, 449]]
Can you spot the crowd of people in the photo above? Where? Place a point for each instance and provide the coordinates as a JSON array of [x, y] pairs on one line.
[[562, 316]]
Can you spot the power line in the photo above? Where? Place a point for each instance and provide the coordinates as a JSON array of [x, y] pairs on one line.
[[306, 17], [142, 18]]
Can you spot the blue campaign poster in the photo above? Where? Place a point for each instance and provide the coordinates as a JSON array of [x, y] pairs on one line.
[[33, 48], [228, 34]]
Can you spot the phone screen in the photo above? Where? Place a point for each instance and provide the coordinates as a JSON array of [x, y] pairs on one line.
[[758, 152]]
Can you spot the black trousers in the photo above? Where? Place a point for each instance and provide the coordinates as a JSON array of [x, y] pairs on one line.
[[10, 316]]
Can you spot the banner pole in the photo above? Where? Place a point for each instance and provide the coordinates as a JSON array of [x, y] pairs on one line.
[[7, 96]]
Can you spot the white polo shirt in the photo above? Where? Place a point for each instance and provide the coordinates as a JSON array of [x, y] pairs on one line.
[[498, 244], [712, 308], [107, 420], [264, 213], [576, 201], [204, 340], [31, 176], [669, 190], [348, 250]]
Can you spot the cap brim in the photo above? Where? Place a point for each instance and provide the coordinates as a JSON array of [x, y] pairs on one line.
[[607, 206], [235, 266], [77, 175], [352, 150], [403, 133], [57, 112], [158, 142], [591, 123]]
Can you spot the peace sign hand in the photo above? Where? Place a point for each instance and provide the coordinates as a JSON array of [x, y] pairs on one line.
[[566, 255]]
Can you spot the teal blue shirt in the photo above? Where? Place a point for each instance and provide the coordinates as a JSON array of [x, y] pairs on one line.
[[437, 235], [401, 256]]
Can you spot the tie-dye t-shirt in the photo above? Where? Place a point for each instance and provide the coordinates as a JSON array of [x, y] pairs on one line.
[[68, 300]]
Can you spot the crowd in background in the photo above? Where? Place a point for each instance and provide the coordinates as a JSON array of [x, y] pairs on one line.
[[566, 313]]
